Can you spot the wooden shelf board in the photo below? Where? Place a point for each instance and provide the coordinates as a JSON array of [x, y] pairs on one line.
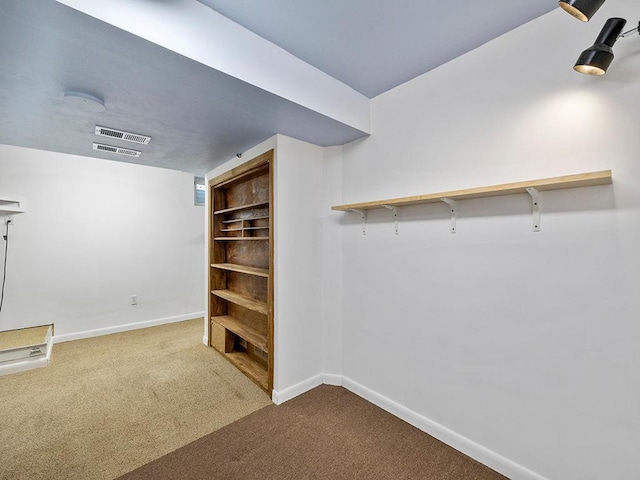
[[243, 207], [251, 335], [235, 220], [250, 367], [555, 183], [243, 228], [236, 239], [259, 272], [246, 302]]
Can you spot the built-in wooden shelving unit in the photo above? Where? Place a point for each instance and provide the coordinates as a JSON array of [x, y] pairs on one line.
[[241, 268], [532, 187]]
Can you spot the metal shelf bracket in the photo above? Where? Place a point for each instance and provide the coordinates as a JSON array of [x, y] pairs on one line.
[[363, 215], [395, 215], [535, 206], [453, 205]]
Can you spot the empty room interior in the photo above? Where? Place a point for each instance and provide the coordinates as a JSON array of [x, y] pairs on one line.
[[216, 213]]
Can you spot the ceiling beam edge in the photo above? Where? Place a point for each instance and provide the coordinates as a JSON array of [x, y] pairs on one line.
[[195, 31]]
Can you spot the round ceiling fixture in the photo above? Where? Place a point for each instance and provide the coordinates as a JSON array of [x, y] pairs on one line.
[[84, 101]]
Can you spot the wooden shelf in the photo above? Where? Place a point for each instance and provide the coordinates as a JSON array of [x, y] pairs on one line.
[[236, 239], [235, 220], [259, 272], [243, 207], [250, 367], [251, 335], [243, 229], [232, 267], [555, 183], [246, 302]]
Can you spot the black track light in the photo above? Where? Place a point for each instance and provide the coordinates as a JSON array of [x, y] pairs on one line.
[[581, 9], [596, 59]]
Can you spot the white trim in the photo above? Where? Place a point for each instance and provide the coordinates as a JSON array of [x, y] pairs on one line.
[[205, 340], [279, 397], [330, 379], [123, 328], [30, 363]]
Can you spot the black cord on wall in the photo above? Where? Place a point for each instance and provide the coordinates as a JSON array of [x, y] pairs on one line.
[[4, 268]]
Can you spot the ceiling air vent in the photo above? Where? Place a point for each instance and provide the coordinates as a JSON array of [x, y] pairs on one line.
[[128, 136], [117, 150]]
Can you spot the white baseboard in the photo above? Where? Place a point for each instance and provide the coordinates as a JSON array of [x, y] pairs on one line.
[[281, 396], [493, 460], [123, 328], [329, 379]]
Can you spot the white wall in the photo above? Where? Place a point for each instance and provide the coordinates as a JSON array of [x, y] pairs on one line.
[[332, 261], [95, 233], [299, 261], [524, 343]]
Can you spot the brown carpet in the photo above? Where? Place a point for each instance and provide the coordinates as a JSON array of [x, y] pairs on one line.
[[327, 433]]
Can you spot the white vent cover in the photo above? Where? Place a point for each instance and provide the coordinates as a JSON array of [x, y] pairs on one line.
[[128, 136], [117, 150]]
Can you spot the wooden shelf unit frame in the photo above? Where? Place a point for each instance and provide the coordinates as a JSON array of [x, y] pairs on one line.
[[241, 268]]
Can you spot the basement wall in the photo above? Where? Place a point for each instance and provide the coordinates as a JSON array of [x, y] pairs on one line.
[[517, 347], [95, 233]]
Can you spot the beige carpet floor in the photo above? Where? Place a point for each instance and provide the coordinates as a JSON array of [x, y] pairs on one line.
[[110, 404]]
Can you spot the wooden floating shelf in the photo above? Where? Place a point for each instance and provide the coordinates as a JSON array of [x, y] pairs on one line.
[[555, 183], [242, 207], [259, 272], [250, 367], [243, 301], [251, 335]]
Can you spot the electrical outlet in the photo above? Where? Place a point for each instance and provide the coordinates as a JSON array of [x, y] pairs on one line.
[[134, 299]]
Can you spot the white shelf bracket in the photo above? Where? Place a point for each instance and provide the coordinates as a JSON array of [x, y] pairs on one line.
[[453, 205], [395, 215], [363, 215], [535, 207]]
